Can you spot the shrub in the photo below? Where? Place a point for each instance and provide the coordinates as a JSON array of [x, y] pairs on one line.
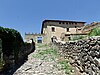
[[95, 32], [11, 42], [78, 37]]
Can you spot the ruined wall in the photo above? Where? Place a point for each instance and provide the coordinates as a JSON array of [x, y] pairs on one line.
[[84, 55], [28, 37]]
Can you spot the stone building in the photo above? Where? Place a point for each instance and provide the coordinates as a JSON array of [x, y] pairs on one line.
[[60, 30], [37, 38]]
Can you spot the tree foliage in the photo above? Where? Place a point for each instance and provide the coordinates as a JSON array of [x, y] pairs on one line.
[[11, 42]]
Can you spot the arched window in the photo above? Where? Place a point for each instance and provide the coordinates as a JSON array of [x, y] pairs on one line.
[[53, 29]]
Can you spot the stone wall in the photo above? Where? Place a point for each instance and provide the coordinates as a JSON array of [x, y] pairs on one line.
[[60, 27], [29, 36], [84, 55]]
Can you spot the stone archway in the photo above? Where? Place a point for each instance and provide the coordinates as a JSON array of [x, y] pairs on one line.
[[53, 38]]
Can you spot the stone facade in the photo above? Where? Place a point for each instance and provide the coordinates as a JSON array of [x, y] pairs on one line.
[[58, 29], [61, 30], [37, 38]]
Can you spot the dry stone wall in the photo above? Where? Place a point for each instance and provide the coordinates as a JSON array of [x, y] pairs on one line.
[[84, 55]]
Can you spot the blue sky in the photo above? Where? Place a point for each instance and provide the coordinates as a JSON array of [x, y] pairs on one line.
[[27, 15]]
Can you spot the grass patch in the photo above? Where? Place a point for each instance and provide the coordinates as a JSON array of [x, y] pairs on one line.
[[42, 45], [65, 66], [49, 52], [79, 37]]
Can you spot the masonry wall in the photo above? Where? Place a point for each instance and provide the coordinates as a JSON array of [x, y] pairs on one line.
[[60, 29], [28, 38], [84, 55]]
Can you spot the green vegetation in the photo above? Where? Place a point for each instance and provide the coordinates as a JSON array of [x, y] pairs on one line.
[[65, 66], [50, 54], [78, 37], [49, 51], [11, 43], [95, 32], [40, 45]]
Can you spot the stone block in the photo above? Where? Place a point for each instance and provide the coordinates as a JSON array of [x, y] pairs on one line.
[[97, 62]]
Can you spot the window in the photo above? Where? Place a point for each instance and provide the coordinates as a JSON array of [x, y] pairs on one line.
[[67, 29], [39, 39], [66, 22], [75, 23], [53, 29], [63, 22], [59, 22]]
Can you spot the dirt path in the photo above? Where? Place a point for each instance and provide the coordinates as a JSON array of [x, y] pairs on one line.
[[44, 61]]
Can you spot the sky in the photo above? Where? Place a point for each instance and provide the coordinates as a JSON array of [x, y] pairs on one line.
[[27, 15]]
